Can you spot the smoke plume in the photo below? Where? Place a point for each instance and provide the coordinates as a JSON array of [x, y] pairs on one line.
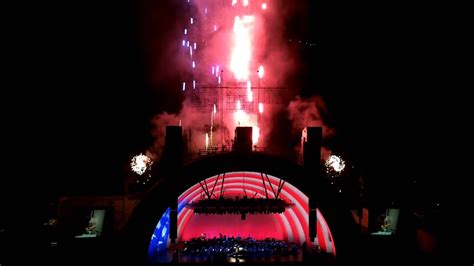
[[311, 112], [190, 46]]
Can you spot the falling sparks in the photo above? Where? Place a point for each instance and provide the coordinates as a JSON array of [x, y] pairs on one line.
[[238, 54], [249, 92], [213, 116], [140, 164], [255, 135], [240, 117], [261, 72], [242, 49], [250, 96]]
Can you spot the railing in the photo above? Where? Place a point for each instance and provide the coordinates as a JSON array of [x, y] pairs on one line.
[[225, 149], [213, 150]]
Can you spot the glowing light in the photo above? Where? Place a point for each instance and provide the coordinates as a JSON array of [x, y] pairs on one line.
[[190, 51], [215, 109], [264, 6], [194, 64], [260, 108], [212, 70], [239, 106], [334, 165], [184, 42], [215, 27], [185, 31], [242, 47], [234, 2], [205, 10], [261, 71], [255, 135], [217, 71], [207, 141], [213, 114], [192, 20], [248, 19], [187, 43], [140, 163], [194, 84], [219, 79], [240, 117], [249, 92], [184, 86], [195, 46], [245, 3]]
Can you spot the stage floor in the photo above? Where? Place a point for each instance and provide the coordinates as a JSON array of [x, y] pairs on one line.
[[171, 256]]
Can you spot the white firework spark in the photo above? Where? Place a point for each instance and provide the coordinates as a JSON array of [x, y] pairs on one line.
[[334, 165], [140, 164]]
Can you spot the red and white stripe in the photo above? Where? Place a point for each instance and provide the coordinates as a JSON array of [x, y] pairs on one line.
[[293, 222]]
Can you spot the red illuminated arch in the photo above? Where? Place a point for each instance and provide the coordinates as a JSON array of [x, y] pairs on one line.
[[293, 223]]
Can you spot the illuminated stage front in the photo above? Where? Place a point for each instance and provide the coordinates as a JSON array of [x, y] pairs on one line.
[[290, 226]]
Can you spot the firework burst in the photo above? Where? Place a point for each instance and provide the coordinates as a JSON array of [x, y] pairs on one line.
[[334, 165], [140, 164]]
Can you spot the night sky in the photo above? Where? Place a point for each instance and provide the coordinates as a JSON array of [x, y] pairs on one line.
[[87, 87]]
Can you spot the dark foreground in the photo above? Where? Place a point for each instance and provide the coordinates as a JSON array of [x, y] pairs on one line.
[[117, 251]]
